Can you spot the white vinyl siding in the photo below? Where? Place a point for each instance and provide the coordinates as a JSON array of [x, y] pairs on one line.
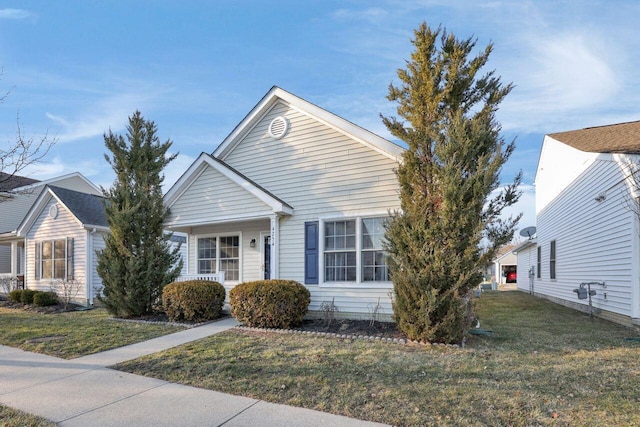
[[320, 172], [214, 197], [594, 240], [526, 260], [45, 228]]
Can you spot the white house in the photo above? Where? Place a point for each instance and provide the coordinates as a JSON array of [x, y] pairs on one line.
[[18, 195], [587, 221], [62, 232], [294, 192]]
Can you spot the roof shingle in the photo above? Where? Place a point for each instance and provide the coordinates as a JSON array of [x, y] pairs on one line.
[[616, 138], [88, 208]]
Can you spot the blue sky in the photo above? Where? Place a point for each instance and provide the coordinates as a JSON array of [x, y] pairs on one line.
[[77, 69]]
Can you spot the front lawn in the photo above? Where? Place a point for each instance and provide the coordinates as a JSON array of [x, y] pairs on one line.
[[73, 334], [545, 365], [10, 417]]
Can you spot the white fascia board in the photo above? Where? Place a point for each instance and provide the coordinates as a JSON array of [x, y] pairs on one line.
[[97, 228], [335, 122], [221, 220]]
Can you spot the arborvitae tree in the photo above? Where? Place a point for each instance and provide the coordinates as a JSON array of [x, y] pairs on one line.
[[449, 180], [137, 261]]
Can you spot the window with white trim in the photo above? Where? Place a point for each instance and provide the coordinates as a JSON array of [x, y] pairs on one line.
[[340, 251], [374, 259], [219, 253], [352, 250], [54, 259]]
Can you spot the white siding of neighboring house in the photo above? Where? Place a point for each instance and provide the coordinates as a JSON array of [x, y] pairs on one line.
[[13, 210], [526, 259], [212, 196], [47, 228], [77, 184], [504, 260], [595, 241], [97, 242], [5, 258], [559, 165], [321, 173]]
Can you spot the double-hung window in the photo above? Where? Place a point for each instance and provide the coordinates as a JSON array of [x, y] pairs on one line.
[[340, 251], [54, 259], [374, 259], [219, 253], [353, 250]]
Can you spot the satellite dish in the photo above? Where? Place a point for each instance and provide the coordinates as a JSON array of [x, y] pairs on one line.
[[528, 232]]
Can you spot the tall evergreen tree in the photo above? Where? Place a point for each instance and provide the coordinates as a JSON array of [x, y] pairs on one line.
[[137, 261], [449, 181]]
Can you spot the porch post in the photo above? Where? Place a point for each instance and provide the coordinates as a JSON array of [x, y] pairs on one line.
[[275, 246], [15, 269]]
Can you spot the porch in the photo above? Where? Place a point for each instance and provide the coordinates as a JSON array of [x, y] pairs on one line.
[[12, 266]]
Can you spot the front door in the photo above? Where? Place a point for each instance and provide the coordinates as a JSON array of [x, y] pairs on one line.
[[266, 255]]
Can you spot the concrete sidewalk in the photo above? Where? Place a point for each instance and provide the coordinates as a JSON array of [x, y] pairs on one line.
[[83, 392]]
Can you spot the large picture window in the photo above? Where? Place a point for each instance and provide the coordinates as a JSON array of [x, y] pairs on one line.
[[54, 259], [353, 251], [219, 253]]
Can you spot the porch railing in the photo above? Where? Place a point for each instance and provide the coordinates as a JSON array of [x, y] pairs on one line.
[[217, 277]]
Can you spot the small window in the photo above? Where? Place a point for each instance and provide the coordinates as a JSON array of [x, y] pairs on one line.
[[539, 263], [552, 260]]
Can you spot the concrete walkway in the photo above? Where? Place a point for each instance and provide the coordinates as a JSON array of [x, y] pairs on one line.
[[83, 392]]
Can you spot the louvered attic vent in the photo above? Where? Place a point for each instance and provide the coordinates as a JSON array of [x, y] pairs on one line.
[[278, 127]]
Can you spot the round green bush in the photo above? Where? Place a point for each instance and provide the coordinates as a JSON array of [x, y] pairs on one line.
[[16, 295], [27, 296], [44, 299], [193, 300], [270, 303]]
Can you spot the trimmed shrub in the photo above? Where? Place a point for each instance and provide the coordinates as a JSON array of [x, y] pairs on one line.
[[193, 300], [44, 299], [16, 295], [270, 303], [27, 296]]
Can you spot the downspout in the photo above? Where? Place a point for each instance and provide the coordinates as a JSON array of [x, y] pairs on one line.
[[89, 268]]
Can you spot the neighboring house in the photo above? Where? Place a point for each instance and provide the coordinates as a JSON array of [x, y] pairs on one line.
[[528, 264], [587, 230], [294, 192], [17, 196], [62, 231], [505, 266]]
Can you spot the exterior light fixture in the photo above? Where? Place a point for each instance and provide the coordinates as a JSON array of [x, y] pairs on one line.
[[252, 243]]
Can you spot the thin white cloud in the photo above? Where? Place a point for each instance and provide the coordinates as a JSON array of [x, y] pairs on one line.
[[16, 14], [371, 15], [109, 113]]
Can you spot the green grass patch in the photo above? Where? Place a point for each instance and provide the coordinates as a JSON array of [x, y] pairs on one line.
[[73, 334], [545, 365], [10, 417]]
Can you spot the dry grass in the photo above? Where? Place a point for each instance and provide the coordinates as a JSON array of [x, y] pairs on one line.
[[545, 365], [10, 417], [72, 334]]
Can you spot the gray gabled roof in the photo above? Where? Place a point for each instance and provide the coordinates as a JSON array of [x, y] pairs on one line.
[[10, 182], [88, 208], [616, 138]]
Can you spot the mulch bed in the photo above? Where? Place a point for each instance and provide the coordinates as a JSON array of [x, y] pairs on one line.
[[353, 327], [51, 309]]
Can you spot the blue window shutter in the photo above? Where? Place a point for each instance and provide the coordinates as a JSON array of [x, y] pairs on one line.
[[311, 253]]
